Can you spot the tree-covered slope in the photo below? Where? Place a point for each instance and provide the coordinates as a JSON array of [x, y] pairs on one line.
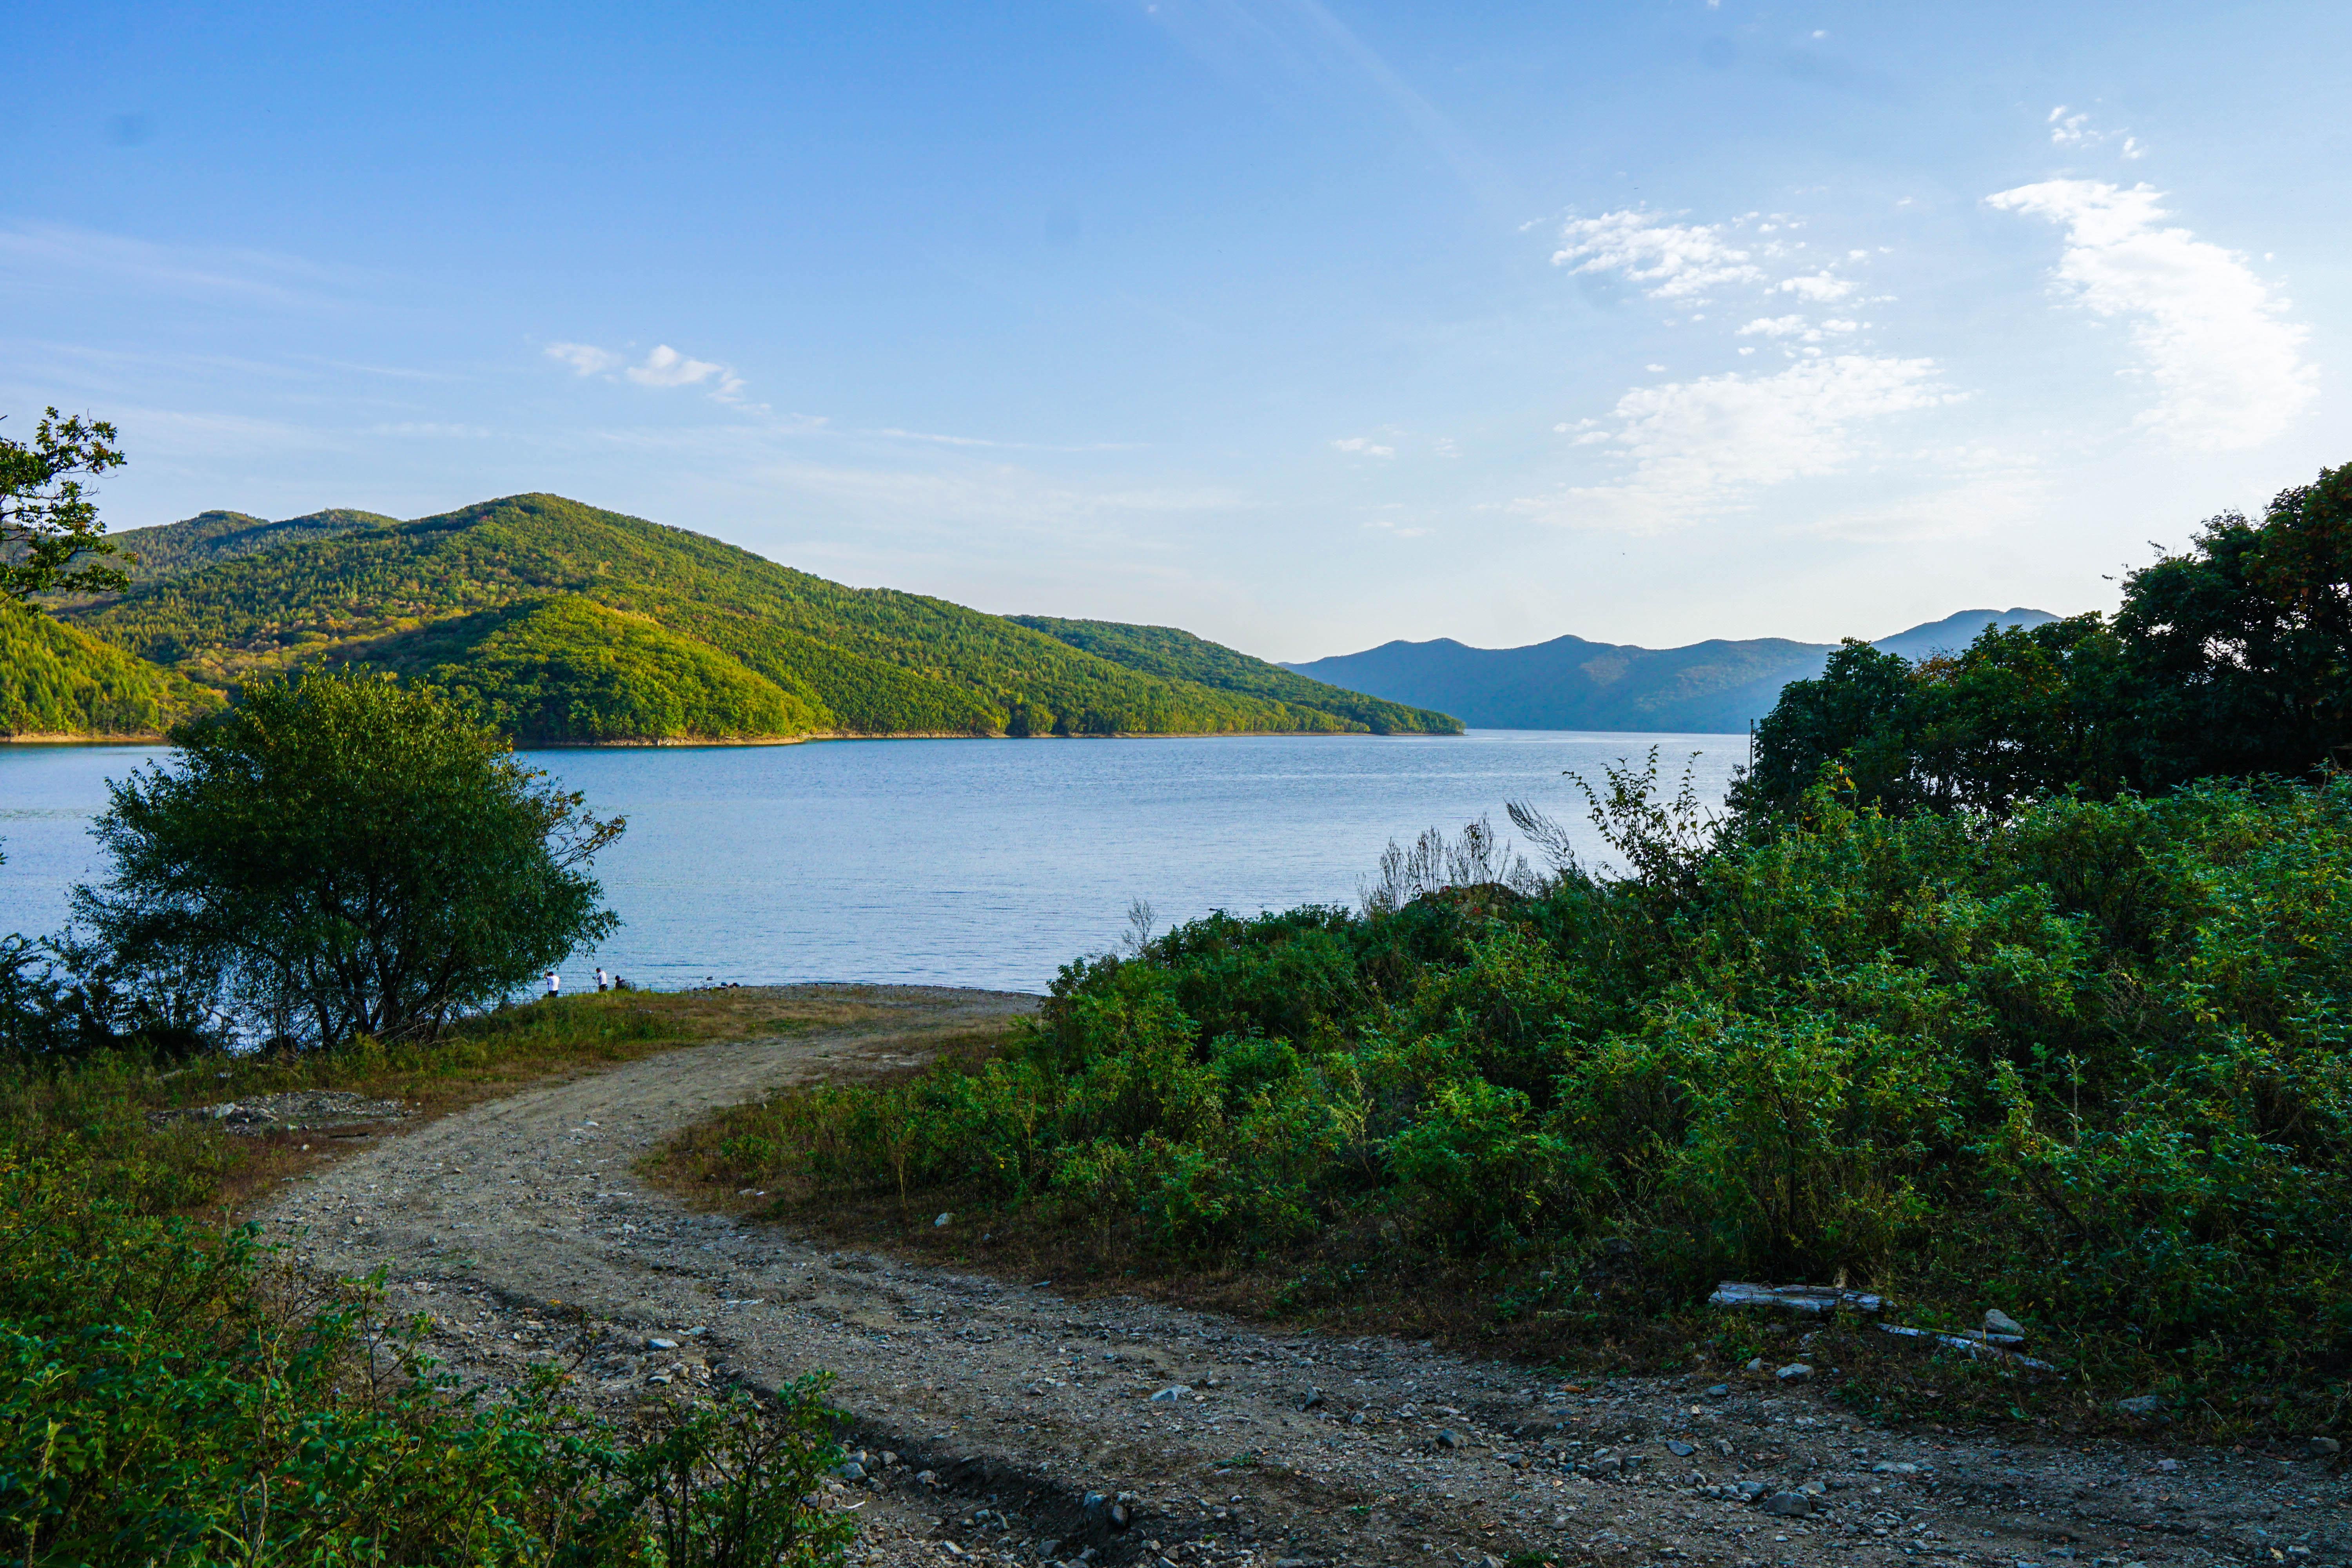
[[175, 548], [54, 680], [869, 661], [566, 670], [1176, 655]]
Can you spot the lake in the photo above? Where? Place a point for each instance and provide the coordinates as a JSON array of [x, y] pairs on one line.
[[983, 863]]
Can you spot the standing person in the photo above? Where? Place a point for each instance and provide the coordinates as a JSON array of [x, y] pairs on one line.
[[603, 982], [554, 982]]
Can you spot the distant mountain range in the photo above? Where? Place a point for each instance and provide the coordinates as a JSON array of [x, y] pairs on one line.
[[1568, 683], [567, 623]]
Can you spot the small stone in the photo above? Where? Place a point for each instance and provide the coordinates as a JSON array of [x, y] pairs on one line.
[[2142, 1405], [927, 1478], [1679, 1449], [2323, 1448], [1447, 1437], [1172, 1393], [661, 1344], [1314, 1400], [941, 1222], [1046, 1548], [1997, 1321], [1719, 1391], [2169, 1467], [1890, 1468], [1795, 1371], [1789, 1505], [1751, 1491], [852, 1471], [1756, 1364]]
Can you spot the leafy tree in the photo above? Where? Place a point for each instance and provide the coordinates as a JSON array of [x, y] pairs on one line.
[[2245, 642], [346, 855], [48, 521], [2231, 659]]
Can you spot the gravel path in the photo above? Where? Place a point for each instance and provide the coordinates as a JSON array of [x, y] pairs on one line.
[[1003, 1421]]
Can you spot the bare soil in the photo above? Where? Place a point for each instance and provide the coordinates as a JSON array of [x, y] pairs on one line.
[[1006, 1420]]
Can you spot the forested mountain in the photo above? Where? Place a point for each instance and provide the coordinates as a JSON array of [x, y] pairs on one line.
[[54, 680], [1568, 683], [1180, 656], [175, 548], [572, 624]]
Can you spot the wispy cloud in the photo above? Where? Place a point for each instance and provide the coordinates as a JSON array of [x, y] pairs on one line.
[[61, 254], [1671, 260], [2227, 363], [2073, 128], [1821, 288], [663, 366], [585, 359], [1363, 447], [1706, 446], [1796, 327]]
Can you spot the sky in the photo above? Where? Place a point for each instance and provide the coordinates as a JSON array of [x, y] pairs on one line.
[[1302, 324]]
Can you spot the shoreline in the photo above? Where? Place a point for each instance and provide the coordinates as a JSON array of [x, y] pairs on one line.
[[710, 743]]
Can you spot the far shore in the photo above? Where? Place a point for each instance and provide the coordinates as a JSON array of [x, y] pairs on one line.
[[706, 742]]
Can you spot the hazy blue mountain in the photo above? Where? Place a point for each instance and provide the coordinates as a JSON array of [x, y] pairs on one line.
[[1568, 683]]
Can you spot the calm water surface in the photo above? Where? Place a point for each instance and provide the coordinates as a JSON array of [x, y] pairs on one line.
[[947, 862]]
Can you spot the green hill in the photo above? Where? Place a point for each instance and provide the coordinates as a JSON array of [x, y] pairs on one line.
[[610, 627], [175, 548], [54, 680], [1176, 655]]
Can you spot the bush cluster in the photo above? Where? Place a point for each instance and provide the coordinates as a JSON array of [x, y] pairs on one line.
[[2086, 1062], [166, 1397]]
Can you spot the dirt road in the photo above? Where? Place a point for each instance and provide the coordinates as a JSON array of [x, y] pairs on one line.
[[1001, 1420]]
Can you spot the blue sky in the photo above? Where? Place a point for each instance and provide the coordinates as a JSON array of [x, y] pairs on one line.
[[1301, 325]]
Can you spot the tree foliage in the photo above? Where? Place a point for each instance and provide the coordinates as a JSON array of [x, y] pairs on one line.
[[56, 681], [340, 854], [2232, 658], [49, 530]]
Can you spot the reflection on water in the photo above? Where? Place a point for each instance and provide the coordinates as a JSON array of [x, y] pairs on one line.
[[951, 862]]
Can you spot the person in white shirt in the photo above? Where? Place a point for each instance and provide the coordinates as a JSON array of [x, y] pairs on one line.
[[554, 982], [603, 982]]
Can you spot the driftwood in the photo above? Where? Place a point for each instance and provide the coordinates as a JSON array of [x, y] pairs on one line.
[[1980, 1345], [1817, 1299]]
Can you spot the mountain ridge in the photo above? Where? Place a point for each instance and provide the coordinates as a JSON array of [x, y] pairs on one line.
[[1717, 685], [569, 624]]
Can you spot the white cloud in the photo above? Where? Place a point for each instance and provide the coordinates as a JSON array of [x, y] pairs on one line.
[[664, 367], [1705, 446], [1363, 447], [667, 367], [1795, 327], [1820, 288], [585, 359], [1673, 260], [2227, 363], [2075, 130]]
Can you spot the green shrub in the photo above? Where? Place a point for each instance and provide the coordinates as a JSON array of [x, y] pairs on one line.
[[2087, 1060], [168, 1395]]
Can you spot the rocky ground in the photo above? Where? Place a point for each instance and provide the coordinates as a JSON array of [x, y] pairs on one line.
[[1002, 1420]]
